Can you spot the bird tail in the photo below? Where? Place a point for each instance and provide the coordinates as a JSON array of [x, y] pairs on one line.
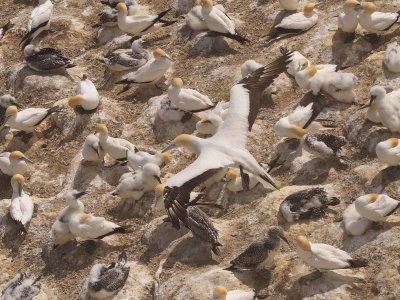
[[120, 229], [358, 263], [237, 37], [266, 178], [161, 15], [203, 109], [215, 248]]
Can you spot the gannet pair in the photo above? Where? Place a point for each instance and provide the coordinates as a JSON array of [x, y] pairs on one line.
[[388, 152], [235, 183], [374, 21], [91, 150], [21, 287], [306, 204], [39, 21], [211, 121], [290, 5], [21, 209], [87, 99], [221, 293], [5, 28], [45, 59], [138, 159], [392, 57], [376, 208], [13, 163], [227, 148], [6, 101], [133, 6], [348, 19]]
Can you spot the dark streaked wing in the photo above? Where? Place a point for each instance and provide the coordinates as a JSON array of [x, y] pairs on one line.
[[332, 141], [252, 256]]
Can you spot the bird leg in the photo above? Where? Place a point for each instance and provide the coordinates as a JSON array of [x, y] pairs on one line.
[[245, 179]]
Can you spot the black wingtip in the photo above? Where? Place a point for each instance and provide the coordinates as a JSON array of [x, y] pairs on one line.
[[230, 268], [334, 201], [215, 249], [358, 263]]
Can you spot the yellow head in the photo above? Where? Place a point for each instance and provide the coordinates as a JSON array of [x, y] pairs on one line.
[[394, 142], [18, 178], [369, 7], [350, 3], [11, 110], [74, 101], [298, 131], [308, 9], [101, 128], [159, 190], [85, 216], [373, 197], [183, 140], [311, 71], [158, 53], [15, 155], [303, 63], [207, 3], [121, 7], [303, 243], [231, 174], [220, 291], [177, 82], [166, 157]]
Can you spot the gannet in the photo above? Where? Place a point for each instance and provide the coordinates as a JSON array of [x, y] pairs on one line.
[[140, 24], [227, 148], [107, 18], [60, 232], [45, 59], [388, 152], [392, 57], [373, 113], [376, 208], [260, 254], [305, 74], [248, 67], [221, 293], [87, 99], [13, 163], [39, 21], [133, 6], [299, 62], [325, 257], [91, 150], [27, 119], [348, 19], [21, 287], [21, 209], [306, 204], [374, 21], [289, 4], [5, 28], [6, 101], [354, 223], [188, 100], [115, 147], [211, 121], [235, 182], [137, 160], [194, 18], [151, 72], [218, 22], [326, 146]]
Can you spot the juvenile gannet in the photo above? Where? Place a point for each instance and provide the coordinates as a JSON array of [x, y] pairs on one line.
[[5, 28], [45, 59], [221, 293], [348, 19], [392, 57], [374, 21], [211, 121], [373, 113], [325, 257], [21, 209], [60, 232], [21, 287], [388, 152], [140, 24], [237, 184], [133, 6], [87, 99], [376, 208], [107, 18], [115, 147], [290, 5], [91, 150], [137, 160], [39, 21], [326, 146], [299, 62], [260, 254], [6, 101], [13, 163], [306, 204], [227, 148], [27, 119], [248, 67], [105, 281], [151, 72], [188, 100]]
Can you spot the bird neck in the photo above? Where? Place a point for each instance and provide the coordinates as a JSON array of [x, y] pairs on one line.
[[103, 136], [195, 145]]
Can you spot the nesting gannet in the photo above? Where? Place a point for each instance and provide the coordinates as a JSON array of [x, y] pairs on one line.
[[21, 209], [388, 152], [115, 147], [306, 204], [27, 119], [13, 163], [260, 254], [376, 208], [392, 57], [137, 160], [299, 62], [221, 293], [354, 223], [374, 21], [5, 28], [87, 99], [227, 148], [105, 281], [326, 146], [60, 232], [248, 67], [188, 100], [5, 102], [45, 59], [305, 73], [151, 72], [21, 287], [133, 6], [325, 257], [140, 24], [91, 150], [237, 184], [39, 21], [348, 19], [194, 18], [211, 121]]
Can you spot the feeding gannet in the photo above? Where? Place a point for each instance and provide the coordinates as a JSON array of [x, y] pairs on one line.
[[5, 102], [260, 254], [289, 4], [87, 99], [392, 57], [140, 24], [248, 67], [325, 257], [211, 121], [237, 184], [115, 147], [21, 209], [136, 160], [221, 293], [27, 119], [187, 100], [298, 63], [5, 28], [45, 59], [374, 21], [388, 152], [39, 21], [376, 208], [151, 72], [227, 148], [60, 232], [21, 287], [13, 163], [91, 150], [348, 19], [306, 204]]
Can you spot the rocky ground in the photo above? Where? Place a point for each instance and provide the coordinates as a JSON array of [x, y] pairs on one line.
[[185, 270]]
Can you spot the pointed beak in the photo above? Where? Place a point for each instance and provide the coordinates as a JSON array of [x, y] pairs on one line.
[[24, 158], [168, 57], [158, 179], [19, 189], [358, 7], [80, 194], [285, 240], [368, 104], [170, 147], [206, 122]]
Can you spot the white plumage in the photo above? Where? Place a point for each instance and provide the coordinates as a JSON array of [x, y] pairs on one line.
[[21, 287], [388, 152], [392, 57], [91, 150], [373, 113], [301, 21], [354, 223], [374, 21], [289, 4], [215, 19], [195, 20], [12, 163], [137, 160], [376, 207], [21, 209], [87, 96], [298, 63], [221, 293], [348, 19], [209, 123], [235, 183], [248, 67]]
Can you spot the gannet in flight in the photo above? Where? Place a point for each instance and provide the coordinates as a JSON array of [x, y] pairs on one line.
[[5, 102], [13, 163], [39, 21], [374, 21], [105, 281], [137, 160], [227, 148], [21, 209], [348, 19], [388, 152], [21, 287], [392, 57], [260, 254], [221, 293], [235, 182], [45, 59], [211, 121], [5, 28], [91, 150], [376, 208], [87, 99]]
